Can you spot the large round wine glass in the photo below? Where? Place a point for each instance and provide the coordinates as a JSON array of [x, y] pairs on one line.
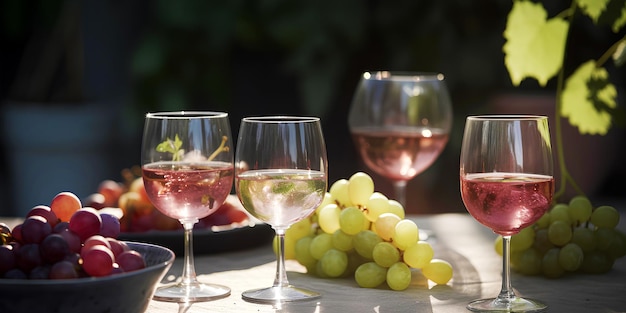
[[280, 177], [400, 124], [507, 184], [187, 165]]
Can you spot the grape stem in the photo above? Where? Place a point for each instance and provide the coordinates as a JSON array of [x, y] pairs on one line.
[[220, 149]]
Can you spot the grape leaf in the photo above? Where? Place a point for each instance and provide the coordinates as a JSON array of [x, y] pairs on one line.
[[587, 99], [593, 8], [621, 20], [173, 147], [534, 45]]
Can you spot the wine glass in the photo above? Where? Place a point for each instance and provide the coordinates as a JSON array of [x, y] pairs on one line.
[[187, 166], [507, 184], [400, 124], [280, 177]]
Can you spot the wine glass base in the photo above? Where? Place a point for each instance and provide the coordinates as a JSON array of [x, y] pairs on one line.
[[516, 304], [279, 294], [195, 292]]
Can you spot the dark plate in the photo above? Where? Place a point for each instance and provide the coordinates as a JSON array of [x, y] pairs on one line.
[[208, 241]]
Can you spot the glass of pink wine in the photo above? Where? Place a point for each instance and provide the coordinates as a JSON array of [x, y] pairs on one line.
[[281, 173], [187, 166], [400, 124], [507, 184]]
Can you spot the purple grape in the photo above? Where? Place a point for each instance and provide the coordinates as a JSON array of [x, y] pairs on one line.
[[28, 257], [73, 241], [110, 225], [61, 226], [63, 270], [15, 273], [54, 248], [7, 258], [40, 272], [34, 229], [45, 212]]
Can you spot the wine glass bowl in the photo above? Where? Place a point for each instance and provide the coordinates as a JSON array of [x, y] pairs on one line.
[[507, 184], [400, 124], [281, 178], [187, 168]]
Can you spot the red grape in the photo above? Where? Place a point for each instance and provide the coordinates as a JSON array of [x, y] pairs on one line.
[[94, 200], [85, 222], [35, 229], [117, 247], [63, 270], [131, 261], [95, 240], [111, 190], [45, 212], [98, 261], [64, 204], [54, 248], [110, 225], [73, 241], [16, 233]]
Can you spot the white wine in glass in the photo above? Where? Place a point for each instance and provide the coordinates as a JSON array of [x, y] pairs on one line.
[[187, 166], [400, 124], [507, 184], [281, 178]]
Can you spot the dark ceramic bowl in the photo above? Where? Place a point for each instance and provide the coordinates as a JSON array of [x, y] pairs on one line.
[[122, 293]]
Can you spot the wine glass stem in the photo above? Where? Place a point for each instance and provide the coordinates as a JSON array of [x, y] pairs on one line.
[[507, 293], [189, 270], [281, 274], [399, 188]]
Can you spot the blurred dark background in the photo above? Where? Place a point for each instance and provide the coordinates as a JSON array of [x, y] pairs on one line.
[[114, 60]]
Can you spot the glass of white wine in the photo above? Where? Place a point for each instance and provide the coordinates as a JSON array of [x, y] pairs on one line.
[[281, 178]]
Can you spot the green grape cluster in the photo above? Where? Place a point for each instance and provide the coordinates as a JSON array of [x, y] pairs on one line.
[[358, 232], [570, 237]]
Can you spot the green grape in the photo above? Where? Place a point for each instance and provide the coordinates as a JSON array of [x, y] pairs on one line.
[[364, 243], [354, 261], [527, 262], [385, 254], [418, 255], [550, 266], [398, 276], [617, 249], [580, 209], [342, 241], [352, 220], [299, 229], [360, 188], [405, 234], [339, 192], [584, 238], [603, 237], [328, 218], [559, 232], [320, 244], [571, 257], [497, 244], [560, 212], [370, 275], [523, 240], [328, 199], [334, 262], [438, 271], [319, 271], [396, 208], [596, 262], [385, 225], [544, 221], [303, 252], [542, 242], [605, 217], [377, 204]]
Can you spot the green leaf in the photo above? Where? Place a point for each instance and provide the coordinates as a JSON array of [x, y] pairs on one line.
[[621, 20], [593, 8], [173, 147], [534, 45], [588, 98]]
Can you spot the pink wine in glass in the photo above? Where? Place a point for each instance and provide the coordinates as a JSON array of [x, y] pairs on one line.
[[399, 153], [507, 202], [188, 190], [281, 197]]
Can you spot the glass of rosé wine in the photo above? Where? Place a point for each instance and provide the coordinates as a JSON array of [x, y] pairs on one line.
[[400, 123], [507, 184], [281, 173], [187, 167]]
